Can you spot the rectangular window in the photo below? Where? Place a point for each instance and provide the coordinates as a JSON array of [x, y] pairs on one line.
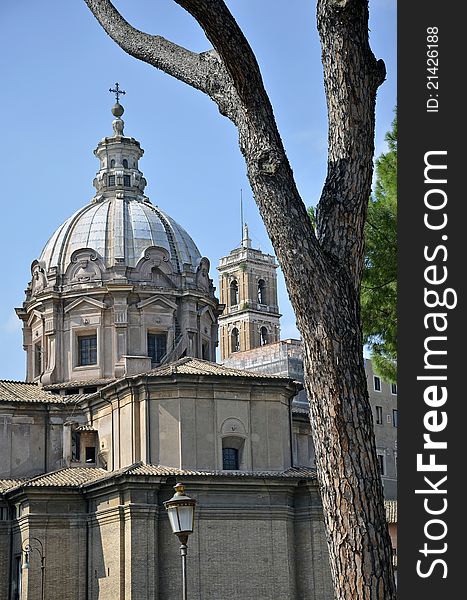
[[394, 418], [87, 350], [230, 459], [394, 389], [17, 581], [379, 415], [111, 179], [157, 346], [75, 446], [37, 360], [126, 181], [381, 464], [376, 383], [90, 454]]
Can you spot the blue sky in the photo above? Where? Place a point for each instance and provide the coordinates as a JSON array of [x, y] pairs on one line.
[[57, 65]]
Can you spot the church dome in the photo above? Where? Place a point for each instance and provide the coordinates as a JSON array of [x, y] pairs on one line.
[[120, 223], [119, 230]]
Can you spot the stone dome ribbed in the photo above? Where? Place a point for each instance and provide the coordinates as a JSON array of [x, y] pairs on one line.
[[120, 230]]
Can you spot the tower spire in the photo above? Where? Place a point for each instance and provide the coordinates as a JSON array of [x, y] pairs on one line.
[[241, 210]]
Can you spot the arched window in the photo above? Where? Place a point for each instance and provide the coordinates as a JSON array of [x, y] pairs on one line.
[[262, 292], [232, 452], [125, 163], [233, 292], [112, 163], [235, 340], [230, 459], [263, 336]]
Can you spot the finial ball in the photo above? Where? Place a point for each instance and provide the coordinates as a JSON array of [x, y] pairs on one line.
[[117, 110]]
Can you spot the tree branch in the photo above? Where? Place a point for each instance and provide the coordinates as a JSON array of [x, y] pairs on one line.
[[204, 71], [241, 96], [225, 35], [351, 77]]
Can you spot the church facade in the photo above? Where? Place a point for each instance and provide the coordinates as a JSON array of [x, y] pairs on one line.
[[123, 399]]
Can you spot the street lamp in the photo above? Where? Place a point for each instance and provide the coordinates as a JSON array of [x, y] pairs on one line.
[[28, 548], [181, 511]]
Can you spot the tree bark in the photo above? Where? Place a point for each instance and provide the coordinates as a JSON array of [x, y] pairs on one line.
[[322, 269]]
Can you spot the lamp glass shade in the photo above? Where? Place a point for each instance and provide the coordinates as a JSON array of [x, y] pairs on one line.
[[181, 518], [181, 511]]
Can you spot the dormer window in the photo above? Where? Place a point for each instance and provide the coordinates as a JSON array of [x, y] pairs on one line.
[[111, 180], [90, 454], [125, 163]]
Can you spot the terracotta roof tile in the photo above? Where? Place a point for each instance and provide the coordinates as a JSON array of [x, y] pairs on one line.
[[300, 410], [391, 510], [78, 477], [20, 391], [142, 469], [6, 484], [78, 384], [196, 366], [69, 477]]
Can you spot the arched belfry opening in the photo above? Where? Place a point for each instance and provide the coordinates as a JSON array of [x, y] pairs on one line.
[[235, 340], [233, 292], [263, 336], [261, 291]]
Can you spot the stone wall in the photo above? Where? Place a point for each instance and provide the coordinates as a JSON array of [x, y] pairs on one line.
[[253, 538], [31, 439]]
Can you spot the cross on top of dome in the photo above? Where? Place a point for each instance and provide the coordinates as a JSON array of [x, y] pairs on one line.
[[117, 91], [117, 110]]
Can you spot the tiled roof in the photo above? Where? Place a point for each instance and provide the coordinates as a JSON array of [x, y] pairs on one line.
[[20, 391], [300, 410], [78, 384], [75, 398], [77, 477], [6, 484], [292, 473], [391, 510], [69, 477], [85, 428], [196, 366], [142, 469]]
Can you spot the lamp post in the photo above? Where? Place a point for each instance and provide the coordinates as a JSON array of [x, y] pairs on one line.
[[27, 547], [181, 511]]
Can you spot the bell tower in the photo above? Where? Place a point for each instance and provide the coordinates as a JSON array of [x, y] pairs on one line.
[[248, 289]]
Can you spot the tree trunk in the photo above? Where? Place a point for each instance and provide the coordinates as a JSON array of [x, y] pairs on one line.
[[322, 269]]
